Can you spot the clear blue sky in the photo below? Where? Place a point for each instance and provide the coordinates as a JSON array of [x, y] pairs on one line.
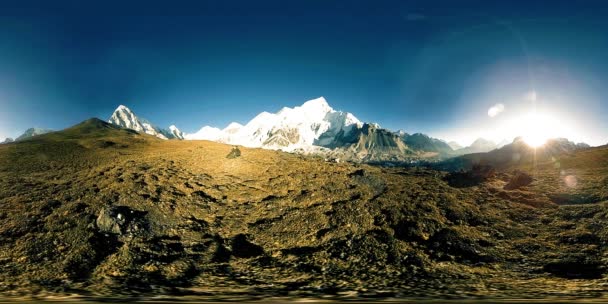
[[421, 66]]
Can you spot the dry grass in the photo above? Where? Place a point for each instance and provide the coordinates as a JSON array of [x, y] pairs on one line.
[[193, 221]]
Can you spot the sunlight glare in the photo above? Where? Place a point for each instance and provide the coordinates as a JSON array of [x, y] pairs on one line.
[[538, 128]]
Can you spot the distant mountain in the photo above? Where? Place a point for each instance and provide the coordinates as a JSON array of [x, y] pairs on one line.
[[503, 143], [175, 132], [214, 134], [370, 143], [583, 145], [31, 132], [125, 118], [423, 142], [514, 154], [314, 123], [454, 145], [480, 145], [315, 127], [7, 140]]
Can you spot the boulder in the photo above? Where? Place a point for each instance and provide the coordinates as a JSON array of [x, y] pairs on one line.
[[120, 220]]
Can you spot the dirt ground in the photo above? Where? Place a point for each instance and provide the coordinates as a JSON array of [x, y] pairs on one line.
[[98, 211]]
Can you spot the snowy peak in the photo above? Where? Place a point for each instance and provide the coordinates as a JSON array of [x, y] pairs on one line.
[[206, 133], [310, 124], [175, 132], [233, 126], [318, 106], [315, 122], [126, 118], [216, 134]]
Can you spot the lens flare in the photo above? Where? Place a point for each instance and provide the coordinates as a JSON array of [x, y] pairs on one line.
[[537, 128]]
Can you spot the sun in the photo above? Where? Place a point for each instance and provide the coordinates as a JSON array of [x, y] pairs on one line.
[[535, 140], [537, 128]]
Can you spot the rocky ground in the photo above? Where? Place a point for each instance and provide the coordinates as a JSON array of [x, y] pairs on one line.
[[99, 211]]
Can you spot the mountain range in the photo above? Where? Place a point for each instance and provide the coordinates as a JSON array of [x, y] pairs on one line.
[[316, 128], [480, 145], [31, 132], [314, 123], [312, 128], [125, 118], [515, 154]]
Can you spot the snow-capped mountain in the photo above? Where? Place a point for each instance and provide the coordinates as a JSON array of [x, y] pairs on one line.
[[314, 123], [125, 118], [215, 134], [175, 132], [315, 127], [31, 132]]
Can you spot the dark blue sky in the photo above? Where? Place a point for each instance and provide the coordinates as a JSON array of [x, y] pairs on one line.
[[422, 66]]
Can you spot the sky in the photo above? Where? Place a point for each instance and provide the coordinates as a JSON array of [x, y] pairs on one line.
[[456, 70]]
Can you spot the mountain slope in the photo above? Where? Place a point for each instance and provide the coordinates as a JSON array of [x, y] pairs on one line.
[[454, 145], [369, 143], [125, 118], [423, 142], [100, 210], [518, 153]]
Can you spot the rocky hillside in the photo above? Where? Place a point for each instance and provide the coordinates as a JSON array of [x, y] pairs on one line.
[[101, 211], [423, 142]]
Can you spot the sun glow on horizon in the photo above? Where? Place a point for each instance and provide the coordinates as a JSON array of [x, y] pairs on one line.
[[537, 128]]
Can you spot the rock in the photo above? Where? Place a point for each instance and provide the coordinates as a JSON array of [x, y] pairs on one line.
[[119, 220], [108, 221], [234, 153]]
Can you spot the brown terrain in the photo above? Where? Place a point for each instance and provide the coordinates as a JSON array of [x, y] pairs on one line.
[[99, 211]]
